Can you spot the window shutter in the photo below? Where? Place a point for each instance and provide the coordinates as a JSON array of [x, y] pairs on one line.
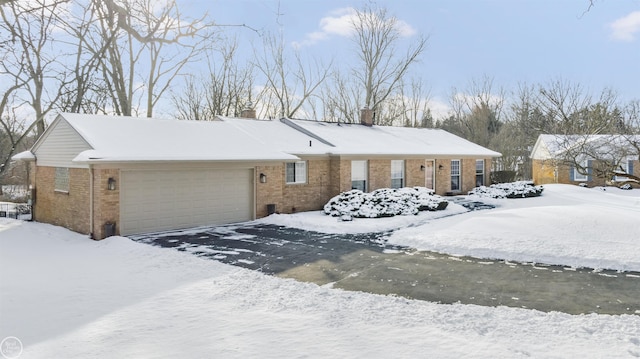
[[589, 170], [572, 170], [630, 167]]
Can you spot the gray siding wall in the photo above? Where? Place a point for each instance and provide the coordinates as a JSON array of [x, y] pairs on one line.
[[60, 146]]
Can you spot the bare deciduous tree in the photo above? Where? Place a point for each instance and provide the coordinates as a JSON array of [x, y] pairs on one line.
[[381, 65], [288, 87], [226, 91], [407, 107], [476, 112], [30, 60], [131, 31]]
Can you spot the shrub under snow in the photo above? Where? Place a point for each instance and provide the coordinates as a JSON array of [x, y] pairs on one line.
[[385, 202], [518, 189]]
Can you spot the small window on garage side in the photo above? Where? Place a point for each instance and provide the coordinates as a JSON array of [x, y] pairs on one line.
[[397, 173], [61, 181], [359, 175], [296, 172]]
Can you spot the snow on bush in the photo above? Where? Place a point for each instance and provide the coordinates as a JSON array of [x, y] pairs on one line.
[[384, 202], [519, 189]]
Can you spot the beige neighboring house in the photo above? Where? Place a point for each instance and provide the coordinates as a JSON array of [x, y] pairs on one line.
[[548, 166], [104, 175]]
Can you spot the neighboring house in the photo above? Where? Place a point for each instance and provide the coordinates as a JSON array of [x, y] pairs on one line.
[[560, 158], [104, 175]]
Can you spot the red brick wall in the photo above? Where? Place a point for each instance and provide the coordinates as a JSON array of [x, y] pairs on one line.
[[414, 174], [379, 174], [106, 202], [294, 197], [468, 174], [340, 176], [299, 197], [271, 191], [443, 176], [543, 173], [70, 210]]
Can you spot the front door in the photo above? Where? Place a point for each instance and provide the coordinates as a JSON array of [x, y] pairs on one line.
[[429, 177]]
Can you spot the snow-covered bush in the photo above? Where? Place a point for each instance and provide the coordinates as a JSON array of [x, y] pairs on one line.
[[626, 186], [385, 202], [519, 189]]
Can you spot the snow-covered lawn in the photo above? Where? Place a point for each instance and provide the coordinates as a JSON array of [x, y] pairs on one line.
[[566, 225], [66, 296]]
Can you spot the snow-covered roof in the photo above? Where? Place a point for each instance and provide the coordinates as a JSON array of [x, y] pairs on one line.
[[120, 138], [24, 156], [124, 139], [356, 139], [550, 146], [276, 134]]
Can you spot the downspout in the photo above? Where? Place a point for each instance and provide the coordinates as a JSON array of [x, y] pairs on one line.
[[91, 202]]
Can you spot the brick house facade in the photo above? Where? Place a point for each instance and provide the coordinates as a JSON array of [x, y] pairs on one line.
[[547, 166], [86, 183]]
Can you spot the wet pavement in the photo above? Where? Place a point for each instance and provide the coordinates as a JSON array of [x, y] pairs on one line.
[[364, 262]]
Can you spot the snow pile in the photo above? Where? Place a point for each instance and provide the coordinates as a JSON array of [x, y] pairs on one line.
[[66, 296], [384, 202], [569, 225], [318, 221], [519, 189]]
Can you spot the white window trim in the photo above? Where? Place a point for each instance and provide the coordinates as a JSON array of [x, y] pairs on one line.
[[298, 177], [366, 174], [402, 172], [61, 180], [459, 174], [579, 177], [481, 172]]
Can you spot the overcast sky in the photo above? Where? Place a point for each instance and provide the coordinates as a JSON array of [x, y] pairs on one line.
[[512, 41]]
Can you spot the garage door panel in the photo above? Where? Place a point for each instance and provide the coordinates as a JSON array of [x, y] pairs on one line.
[[161, 200]]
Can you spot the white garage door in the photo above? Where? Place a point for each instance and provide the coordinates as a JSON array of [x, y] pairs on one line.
[[152, 201]]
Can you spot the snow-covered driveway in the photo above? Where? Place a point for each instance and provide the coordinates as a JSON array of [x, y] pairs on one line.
[[365, 262]]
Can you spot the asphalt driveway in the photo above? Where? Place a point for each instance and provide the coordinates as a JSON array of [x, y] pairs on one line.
[[364, 262]]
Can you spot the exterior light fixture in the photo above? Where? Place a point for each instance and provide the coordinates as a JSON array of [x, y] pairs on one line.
[[111, 184], [440, 167], [263, 178], [422, 168]]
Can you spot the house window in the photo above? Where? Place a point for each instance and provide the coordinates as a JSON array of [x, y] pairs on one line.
[[577, 176], [296, 172], [359, 175], [455, 175], [61, 181], [626, 166], [479, 173], [397, 173]]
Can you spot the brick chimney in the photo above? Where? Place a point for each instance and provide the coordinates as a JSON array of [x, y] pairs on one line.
[[248, 111], [366, 116]]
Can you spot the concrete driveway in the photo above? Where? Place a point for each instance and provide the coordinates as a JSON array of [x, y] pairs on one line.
[[364, 262]]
